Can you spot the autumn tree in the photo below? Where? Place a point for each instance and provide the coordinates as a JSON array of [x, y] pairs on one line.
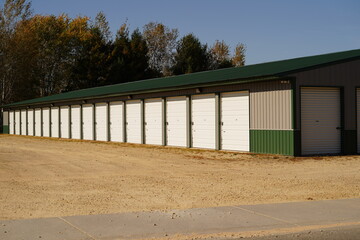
[[161, 42], [191, 56], [238, 58], [220, 55]]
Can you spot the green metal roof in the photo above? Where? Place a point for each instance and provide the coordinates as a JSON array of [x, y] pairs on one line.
[[256, 71]]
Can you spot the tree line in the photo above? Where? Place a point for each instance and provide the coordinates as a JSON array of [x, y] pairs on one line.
[[41, 55]]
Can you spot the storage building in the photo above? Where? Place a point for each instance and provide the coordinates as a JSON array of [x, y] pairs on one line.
[[301, 106]]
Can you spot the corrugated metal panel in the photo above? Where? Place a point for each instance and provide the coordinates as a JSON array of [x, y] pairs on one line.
[[320, 120], [30, 122], [17, 122], [23, 122], [5, 118], [116, 121], [203, 121], [64, 122], [272, 141], [176, 121], [101, 121], [55, 122], [88, 122], [133, 121], [75, 122], [153, 121], [46, 122], [38, 122], [235, 121], [11, 123]]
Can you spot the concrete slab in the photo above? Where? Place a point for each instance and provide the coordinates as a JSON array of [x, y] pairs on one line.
[[311, 212], [46, 228], [160, 224]]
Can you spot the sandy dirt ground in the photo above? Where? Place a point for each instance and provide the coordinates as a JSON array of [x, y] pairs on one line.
[[42, 177]]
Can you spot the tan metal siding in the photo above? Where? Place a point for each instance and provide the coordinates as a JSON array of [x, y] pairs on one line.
[[5, 118]]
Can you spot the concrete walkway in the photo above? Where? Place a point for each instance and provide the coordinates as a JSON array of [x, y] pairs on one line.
[[162, 224]]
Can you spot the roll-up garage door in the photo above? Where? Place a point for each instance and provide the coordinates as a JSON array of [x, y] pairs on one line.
[[235, 127], [75, 122], [11, 123], [55, 122], [23, 122], [133, 121], [176, 121], [320, 120], [88, 122], [30, 122], [38, 122], [203, 121], [64, 122], [17, 123], [101, 121], [116, 121], [153, 121], [46, 122]]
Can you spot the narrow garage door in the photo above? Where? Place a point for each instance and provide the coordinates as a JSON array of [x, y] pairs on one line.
[[133, 121], [116, 121], [101, 121], [17, 123], [176, 121], [88, 122], [235, 121], [38, 122], [46, 122], [55, 122], [11, 122], [75, 122], [203, 121], [23, 122], [30, 122], [153, 121], [320, 120], [64, 122]]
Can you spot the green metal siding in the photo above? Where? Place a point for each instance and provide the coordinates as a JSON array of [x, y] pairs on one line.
[[272, 141], [5, 129]]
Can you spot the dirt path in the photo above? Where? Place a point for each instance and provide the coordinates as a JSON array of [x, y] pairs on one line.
[[49, 177]]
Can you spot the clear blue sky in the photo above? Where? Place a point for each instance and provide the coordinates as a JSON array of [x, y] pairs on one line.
[[271, 30]]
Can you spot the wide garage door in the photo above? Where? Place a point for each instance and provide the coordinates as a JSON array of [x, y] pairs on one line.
[[176, 121], [133, 121], [203, 121], [30, 122], [23, 122], [320, 120], [88, 122], [46, 122], [153, 121], [17, 122], [101, 121], [75, 122], [64, 122], [235, 121], [55, 122], [116, 121], [38, 122], [11, 122]]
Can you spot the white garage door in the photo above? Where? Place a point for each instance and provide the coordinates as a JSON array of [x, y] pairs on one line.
[[153, 121], [176, 121], [133, 121], [30, 122], [203, 121], [101, 122], [320, 120], [55, 122], [116, 121], [46, 122], [235, 121], [38, 122], [64, 122], [23, 122], [17, 122], [75, 122], [88, 122], [11, 122]]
